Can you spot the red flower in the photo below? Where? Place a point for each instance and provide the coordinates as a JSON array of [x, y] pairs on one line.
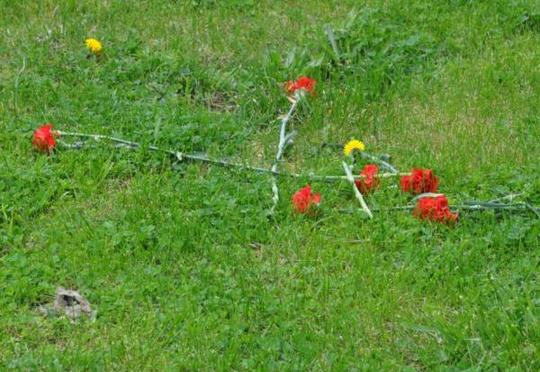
[[304, 199], [435, 209], [303, 82], [420, 181], [44, 138], [370, 181]]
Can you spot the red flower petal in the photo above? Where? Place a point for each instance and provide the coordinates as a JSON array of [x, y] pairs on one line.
[[304, 199], [303, 82], [406, 183], [435, 209], [370, 181], [420, 181], [370, 170], [44, 138]]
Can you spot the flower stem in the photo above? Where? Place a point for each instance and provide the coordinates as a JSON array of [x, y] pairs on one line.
[[357, 193], [284, 140], [466, 205], [201, 158]]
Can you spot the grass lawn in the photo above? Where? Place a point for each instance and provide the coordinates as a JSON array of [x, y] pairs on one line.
[[180, 259]]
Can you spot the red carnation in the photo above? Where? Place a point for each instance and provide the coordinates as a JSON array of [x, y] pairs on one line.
[[370, 181], [303, 82], [44, 138], [435, 209], [420, 181], [304, 199]]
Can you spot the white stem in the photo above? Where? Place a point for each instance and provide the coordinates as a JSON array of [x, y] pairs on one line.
[[340, 178], [426, 195], [181, 156], [284, 140], [357, 193], [507, 197]]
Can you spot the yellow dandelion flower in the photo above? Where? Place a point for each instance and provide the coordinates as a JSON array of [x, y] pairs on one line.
[[353, 145], [94, 45]]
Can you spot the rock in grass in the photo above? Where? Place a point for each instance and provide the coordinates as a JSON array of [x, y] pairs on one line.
[[70, 303]]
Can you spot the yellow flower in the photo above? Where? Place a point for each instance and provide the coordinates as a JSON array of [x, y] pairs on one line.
[[94, 45], [353, 145]]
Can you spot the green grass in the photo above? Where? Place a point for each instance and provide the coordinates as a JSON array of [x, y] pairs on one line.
[[164, 252]]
